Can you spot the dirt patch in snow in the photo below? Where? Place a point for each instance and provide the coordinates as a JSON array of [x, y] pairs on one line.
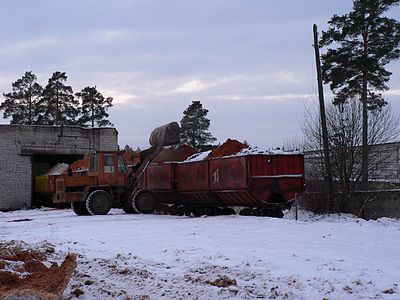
[[222, 282], [230, 147], [24, 274]]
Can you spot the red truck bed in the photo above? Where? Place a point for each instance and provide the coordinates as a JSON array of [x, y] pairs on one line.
[[248, 180]]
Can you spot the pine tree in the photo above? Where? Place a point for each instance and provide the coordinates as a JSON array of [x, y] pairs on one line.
[[195, 125], [94, 107], [58, 104], [21, 103], [363, 43]]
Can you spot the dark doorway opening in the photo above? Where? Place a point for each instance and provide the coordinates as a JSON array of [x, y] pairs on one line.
[[41, 164]]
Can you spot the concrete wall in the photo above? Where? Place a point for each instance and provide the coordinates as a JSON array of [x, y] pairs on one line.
[[384, 178], [376, 205], [19, 142]]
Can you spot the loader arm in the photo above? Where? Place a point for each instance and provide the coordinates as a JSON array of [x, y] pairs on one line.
[[145, 158]]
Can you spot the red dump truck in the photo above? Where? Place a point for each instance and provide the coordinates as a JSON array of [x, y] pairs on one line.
[[262, 184], [259, 184]]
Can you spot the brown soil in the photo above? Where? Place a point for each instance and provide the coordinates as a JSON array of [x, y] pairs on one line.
[[38, 281], [222, 282], [14, 252], [128, 156], [80, 164], [175, 154], [230, 147], [32, 266]]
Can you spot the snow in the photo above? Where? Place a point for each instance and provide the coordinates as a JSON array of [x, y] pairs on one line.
[[155, 256], [58, 169], [198, 156], [246, 151], [257, 150]]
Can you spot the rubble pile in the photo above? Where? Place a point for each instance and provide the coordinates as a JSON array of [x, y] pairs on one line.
[[80, 165], [233, 147], [129, 156], [230, 147], [175, 154], [24, 274]]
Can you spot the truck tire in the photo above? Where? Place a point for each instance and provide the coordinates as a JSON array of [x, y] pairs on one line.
[[98, 202], [127, 207], [80, 209], [144, 202]]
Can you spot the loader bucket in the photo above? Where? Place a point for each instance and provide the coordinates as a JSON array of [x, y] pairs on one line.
[[165, 135]]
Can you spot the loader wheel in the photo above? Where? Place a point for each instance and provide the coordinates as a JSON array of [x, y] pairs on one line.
[[144, 202], [127, 207], [80, 209], [98, 202], [278, 213]]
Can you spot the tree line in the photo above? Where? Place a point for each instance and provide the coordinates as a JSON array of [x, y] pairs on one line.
[[55, 104]]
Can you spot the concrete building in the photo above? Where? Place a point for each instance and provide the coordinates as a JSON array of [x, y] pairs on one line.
[[26, 151]]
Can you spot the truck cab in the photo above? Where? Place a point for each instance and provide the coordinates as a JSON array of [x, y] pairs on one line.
[[95, 188], [105, 181], [108, 167]]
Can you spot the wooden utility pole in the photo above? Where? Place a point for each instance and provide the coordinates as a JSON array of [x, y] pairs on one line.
[[325, 142]]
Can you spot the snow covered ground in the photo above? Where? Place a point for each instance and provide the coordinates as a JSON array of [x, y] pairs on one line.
[[153, 256]]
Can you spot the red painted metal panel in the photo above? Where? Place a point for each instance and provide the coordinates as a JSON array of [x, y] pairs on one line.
[[257, 165], [228, 173], [199, 199], [160, 176], [237, 198], [192, 176], [285, 176], [168, 197], [52, 184], [242, 180]]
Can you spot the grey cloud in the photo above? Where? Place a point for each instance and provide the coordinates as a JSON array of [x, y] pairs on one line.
[[155, 57]]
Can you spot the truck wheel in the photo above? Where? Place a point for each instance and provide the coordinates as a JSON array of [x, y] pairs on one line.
[[278, 213], [127, 207], [98, 202], [80, 209], [144, 202]]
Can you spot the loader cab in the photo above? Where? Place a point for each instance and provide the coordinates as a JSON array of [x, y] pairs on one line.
[[108, 167]]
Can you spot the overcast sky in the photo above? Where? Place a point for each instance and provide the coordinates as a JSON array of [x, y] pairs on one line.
[[249, 62]]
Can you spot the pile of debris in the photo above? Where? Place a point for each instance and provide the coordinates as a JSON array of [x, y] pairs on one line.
[[233, 147], [24, 274], [175, 154], [185, 152], [80, 165], [230, 147]]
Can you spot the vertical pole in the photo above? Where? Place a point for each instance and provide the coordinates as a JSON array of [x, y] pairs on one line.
[[296, 206], [325, 142], [57, 107], [92, 97]]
